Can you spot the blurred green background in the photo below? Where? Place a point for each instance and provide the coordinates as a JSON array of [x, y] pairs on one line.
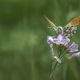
[[24, 52]]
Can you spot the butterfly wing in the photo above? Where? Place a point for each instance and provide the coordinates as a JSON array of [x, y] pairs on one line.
[[71, 27], [74, 22], [51, 24]]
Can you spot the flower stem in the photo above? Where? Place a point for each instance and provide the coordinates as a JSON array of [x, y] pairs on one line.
[[53, 63]]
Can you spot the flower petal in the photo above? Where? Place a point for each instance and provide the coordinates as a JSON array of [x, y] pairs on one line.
[[60, 37], [50, 39], [65, 41], [73, 47]]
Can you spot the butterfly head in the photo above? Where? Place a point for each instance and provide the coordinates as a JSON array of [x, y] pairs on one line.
[[60, 29]]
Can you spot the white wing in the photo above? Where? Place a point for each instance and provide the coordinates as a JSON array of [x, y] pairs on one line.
[[51, 24]]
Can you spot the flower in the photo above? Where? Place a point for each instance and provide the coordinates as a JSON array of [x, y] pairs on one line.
[[50, 40], [73, 47], [60, 39]]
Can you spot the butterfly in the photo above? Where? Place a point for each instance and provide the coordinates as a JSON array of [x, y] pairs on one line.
[[68, 29]]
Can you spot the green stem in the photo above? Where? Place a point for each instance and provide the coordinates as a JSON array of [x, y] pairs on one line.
[[54, 65]]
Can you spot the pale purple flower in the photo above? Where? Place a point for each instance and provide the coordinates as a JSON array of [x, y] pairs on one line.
[[73, 47], [50, 40], [60, 39]]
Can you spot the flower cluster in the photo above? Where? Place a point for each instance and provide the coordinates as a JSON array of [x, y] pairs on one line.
[[60, 39], [65, 41]]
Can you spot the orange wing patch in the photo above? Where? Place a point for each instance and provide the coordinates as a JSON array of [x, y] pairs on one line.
[[75, 22]]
